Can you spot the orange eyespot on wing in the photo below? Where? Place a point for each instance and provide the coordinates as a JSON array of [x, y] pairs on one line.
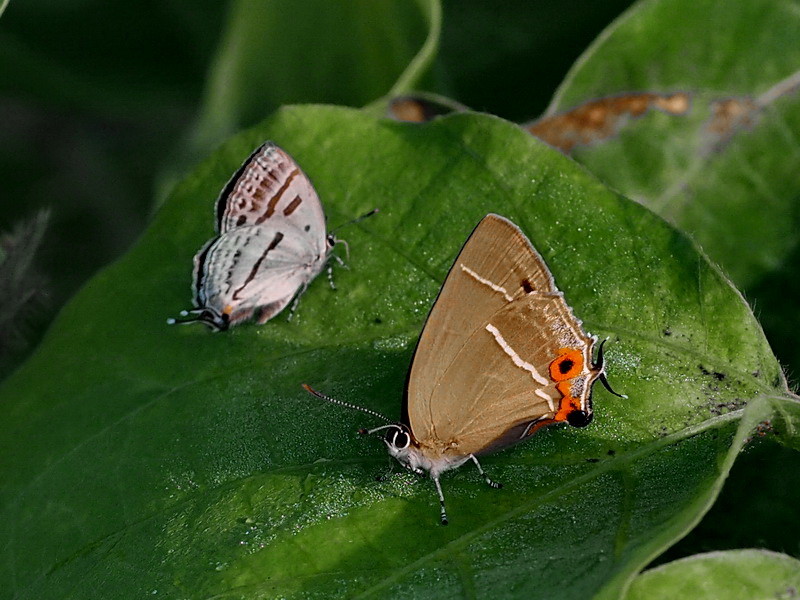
[[568, 403], [568, 365]]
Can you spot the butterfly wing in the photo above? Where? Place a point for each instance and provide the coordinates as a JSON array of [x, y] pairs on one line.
[[496, 265], [535, 362], [270, 187], [499, 288], [255, 269]]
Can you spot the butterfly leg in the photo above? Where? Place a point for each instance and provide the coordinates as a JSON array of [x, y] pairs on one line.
[[386, 475], [330, 269], [390, 472], [296, 301], [330, 276], [493, 484], [441, 500]]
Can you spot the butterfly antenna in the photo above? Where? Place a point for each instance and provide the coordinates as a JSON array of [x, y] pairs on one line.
[[600, 364], [376, 429], [332, 240], [322, 396], [354, 221]]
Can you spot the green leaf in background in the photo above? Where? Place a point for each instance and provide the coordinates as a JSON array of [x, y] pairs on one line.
[[143, 459], [740, 574], [727, 171], [348, 52]]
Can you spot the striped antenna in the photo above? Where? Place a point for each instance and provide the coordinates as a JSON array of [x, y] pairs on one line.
[[207, 316], [322, 396], [354, 221]]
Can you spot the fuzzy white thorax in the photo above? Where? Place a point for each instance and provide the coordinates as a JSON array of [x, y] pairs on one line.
[[414, 458]]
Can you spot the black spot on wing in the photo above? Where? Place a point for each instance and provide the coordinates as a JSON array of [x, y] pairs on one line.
[[565, 366]]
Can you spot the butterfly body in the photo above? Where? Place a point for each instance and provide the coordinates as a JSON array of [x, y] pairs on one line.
[[271, 243], [433, 459]]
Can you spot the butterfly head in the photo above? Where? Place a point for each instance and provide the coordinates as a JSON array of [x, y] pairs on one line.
[[397, 438], [401, 445]]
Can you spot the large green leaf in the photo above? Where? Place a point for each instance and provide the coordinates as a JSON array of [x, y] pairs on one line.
[[740, 574], [726, 172], [141, 458]]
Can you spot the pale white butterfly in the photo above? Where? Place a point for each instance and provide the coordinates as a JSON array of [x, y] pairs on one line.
[[271, 243]]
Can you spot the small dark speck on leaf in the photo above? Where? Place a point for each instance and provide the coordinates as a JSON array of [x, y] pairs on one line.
[[667, 331], [721, 408], [612, 452], [378, 320], [593, 460]]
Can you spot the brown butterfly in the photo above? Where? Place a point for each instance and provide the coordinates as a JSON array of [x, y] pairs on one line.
[[500, 356]]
